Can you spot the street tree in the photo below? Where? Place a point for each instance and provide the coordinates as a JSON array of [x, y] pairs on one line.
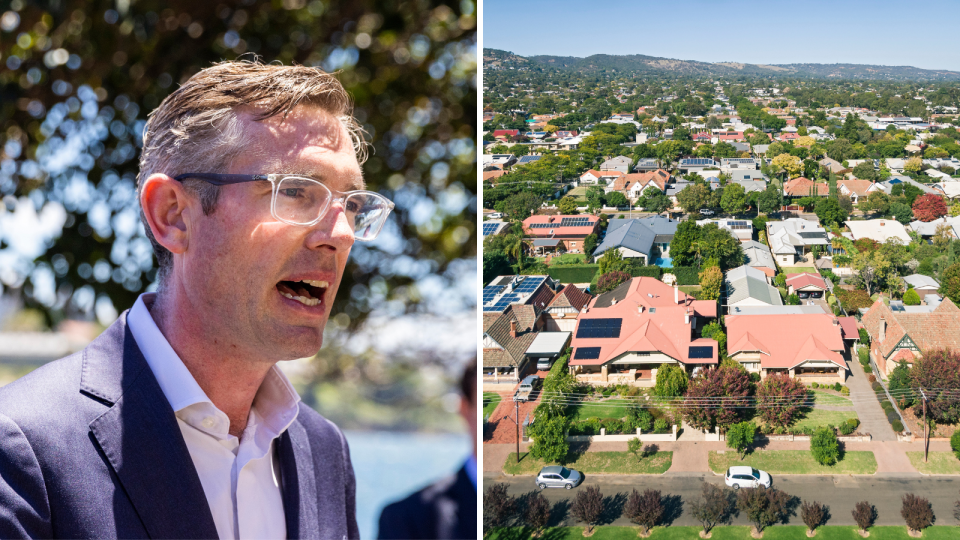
[[655, 201], [740, 437], [499, 506], [645, 509], [864, 514], [693, 198], [770, 200], [712, 507], [917, 512], [763, 506], [587, 507], [813, 514], [536, 513], [828, 211]]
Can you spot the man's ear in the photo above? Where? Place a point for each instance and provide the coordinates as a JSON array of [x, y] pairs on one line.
[[165, 204]]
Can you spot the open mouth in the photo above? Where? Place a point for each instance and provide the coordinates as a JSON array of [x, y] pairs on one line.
[[308, 292]]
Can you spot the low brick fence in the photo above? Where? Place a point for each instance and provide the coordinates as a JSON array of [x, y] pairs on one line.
[[644, 437]]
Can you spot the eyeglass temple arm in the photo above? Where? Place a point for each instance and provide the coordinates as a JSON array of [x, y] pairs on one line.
[[222, 179]]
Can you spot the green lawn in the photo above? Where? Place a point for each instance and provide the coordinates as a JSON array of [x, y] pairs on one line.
[[568, 258], [794, 462], [824, 398], [798, 269], [608, 408], [595, 462], [937, 462], [578, 193], [776, 532], [490, 401], [814, 418]]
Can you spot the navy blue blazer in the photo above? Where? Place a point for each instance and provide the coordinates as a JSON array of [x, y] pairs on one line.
[[90, 448], [444, 510]]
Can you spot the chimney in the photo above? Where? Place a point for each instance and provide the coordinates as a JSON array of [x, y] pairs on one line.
[[883, 329], [882, 223], [686, 317], [676, 293], [613, 302], [836, 321], [513, 329]]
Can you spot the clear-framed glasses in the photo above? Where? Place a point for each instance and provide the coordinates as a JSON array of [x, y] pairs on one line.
[[299, 200]]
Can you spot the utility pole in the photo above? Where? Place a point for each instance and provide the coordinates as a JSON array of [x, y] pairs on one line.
[[516, 405], [925, 439]]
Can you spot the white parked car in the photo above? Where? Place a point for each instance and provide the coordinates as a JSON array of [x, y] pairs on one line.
[[738, 477]]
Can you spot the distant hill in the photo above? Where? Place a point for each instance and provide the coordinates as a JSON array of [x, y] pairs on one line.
[[638, 63]]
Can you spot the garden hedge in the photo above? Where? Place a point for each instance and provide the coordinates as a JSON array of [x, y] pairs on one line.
[[573, 273], [686, 275], [647, 271]]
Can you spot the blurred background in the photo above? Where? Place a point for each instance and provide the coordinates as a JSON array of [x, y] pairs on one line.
[[77, 81]]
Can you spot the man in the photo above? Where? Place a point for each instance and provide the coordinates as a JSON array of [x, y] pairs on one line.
[[448, 508], [176, 422]]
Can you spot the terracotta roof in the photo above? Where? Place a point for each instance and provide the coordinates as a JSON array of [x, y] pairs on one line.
[[785, 341], [849, 327], [601, 174], [659, 178], [800, 187], [806, 279], [488, 175], [859, 187], [658, 327], [939, 328], [558, 230], [571, 296], [513, 347]]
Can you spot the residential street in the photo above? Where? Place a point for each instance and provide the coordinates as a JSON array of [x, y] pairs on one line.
[[840, 493]]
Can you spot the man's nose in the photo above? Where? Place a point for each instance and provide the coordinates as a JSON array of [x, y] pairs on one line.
[[334, 229]]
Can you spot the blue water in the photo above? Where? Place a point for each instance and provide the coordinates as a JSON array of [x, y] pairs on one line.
[[391, 465], [664, 263]]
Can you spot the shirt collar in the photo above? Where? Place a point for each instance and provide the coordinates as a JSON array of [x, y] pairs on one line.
[[276, 402]]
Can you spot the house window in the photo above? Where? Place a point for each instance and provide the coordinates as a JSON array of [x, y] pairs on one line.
[[573, 244]]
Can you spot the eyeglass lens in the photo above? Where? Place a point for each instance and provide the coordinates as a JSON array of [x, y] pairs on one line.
[[301, 200]]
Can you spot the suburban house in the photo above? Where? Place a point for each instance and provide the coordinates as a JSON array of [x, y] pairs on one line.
[[741, 229], [635, 184], [498, 161], [903, 336], [928, 229], [832, 165], [757, 255], [504, 291], [730, 136], [625, 335], [879, 230], [749, 164], [619, 163], [746, 286], [645, 238], [600, 177], [493, 228], [794, 237], [562, 312], [572, 230], [503, 134], [924, 285], [808, 346], [646, 165], [698, 164], [806, 285], [787, 136], [506, 337], [803, 187], [855, 189]]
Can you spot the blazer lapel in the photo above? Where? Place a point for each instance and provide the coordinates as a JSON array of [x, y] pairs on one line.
[[300, 502], [141, 440]]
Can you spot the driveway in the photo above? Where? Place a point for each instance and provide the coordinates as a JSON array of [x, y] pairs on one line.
[[872, 418]]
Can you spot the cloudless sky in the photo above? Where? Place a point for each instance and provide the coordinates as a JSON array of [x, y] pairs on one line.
[[904, 33]]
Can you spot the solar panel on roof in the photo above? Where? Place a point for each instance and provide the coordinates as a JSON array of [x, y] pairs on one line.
[[575, 222], [599, 328], [542, 225], [490, 228], [700, 352], [587, 353]]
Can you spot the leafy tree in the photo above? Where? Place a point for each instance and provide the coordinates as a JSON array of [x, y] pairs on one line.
[[609, 258], [711, 281], [864, 514], [495, 263], [911, 298], [901, 212], [617, 199], [929, 207], [913, 165], [656, 201], [900, 384], [712, 507], [680, 247], [515, 246], [715, 332], [693, 198], [611, 280], [550, 441], [787, 163], [793, 300], [763, 506], [724, 150], [770, 200], [824, 446], [725, 381], [950, 283], [568, 206], [537, 512], [779, 399], [828, 211], [917, 512], [498, 506], [671, 381], [521, 206], [734, 199], [740, 437], [813, 514], [877, 202], [587, 507], [846, 204], [865, 171], [955, 444], [644, 509], [937, 371], [719, 244]]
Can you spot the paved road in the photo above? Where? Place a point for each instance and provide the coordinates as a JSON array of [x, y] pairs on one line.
[[840, 493]]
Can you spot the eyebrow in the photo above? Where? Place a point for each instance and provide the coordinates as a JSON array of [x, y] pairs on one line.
[[355, 184]]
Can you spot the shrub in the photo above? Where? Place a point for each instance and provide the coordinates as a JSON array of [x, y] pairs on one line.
[[537, 511], [712, 507], [498, 506], [812, 514], [611, 280], [660, 426], [917, 512], [897, 426], [846, 429], [955, 443], [864, 336], [824, 446], [646, 271], [671, 381], [644, 509], [587, 507], [642, 419], [864, 514], [836, 387], [762, 506], [612, 426], [815, 385], [686, 275], [845, 391]]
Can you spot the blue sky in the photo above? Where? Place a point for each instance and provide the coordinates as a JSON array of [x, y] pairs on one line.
[[918, 34]]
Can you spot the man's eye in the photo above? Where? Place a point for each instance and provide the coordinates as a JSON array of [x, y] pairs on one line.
[[292, 192], [351, 206]]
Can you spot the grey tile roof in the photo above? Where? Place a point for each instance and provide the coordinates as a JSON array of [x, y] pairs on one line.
[[757, 254], [745, 282], [636, 234]]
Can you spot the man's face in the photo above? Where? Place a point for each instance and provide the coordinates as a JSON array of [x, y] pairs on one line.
[[242, 265]]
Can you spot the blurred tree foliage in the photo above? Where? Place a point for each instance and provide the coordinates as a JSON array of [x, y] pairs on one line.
[[78, 79]]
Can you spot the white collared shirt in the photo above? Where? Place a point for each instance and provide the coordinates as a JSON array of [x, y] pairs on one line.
[[240, 477]]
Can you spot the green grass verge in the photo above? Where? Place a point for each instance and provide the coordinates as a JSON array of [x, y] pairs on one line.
[[776, 532], [794, 462], [594, 462], [490, 401], [937, 462]]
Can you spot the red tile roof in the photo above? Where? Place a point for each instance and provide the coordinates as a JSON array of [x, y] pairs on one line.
[[571, 296], [784, 341], [806, 279], [659, 178], [859, 187], [849, 327], [789, 136], [803, 187], [730, 136], [556, 228], [506, 132], [937, 329], [487, 175], [651, 321]]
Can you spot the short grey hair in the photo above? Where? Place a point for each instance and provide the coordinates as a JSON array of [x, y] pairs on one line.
[[199, 127]]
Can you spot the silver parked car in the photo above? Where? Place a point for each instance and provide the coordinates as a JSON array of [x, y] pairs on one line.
[[556, 476], [748, 477]]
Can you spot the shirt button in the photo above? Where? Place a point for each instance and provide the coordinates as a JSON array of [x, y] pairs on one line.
[[208, 422]]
